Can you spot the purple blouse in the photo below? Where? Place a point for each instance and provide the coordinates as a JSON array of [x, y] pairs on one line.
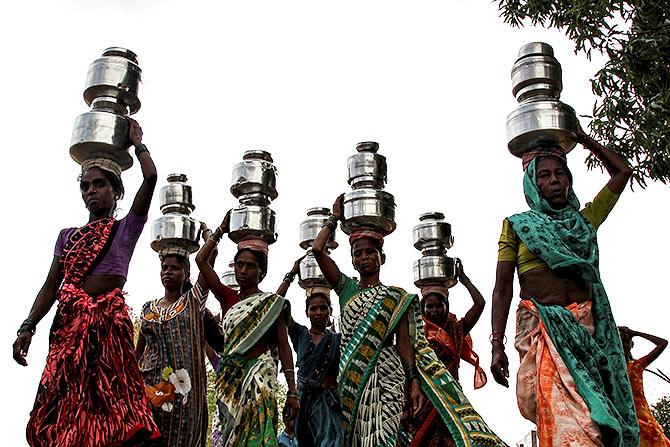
[[117, 259]]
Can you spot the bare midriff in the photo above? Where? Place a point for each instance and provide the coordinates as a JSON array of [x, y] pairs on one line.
[[550, 287], [261, 346], [97, 285]]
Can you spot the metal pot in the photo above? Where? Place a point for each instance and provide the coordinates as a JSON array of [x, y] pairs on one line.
[[536, 76], [369, 208], [101, 133], [176, 196], [435, 270], [433, 231], [115, 74], [541, 122], [367, 169], [310, 227], [255, 175], [228, 278], [310, 273], [175, 230], [252, 222]]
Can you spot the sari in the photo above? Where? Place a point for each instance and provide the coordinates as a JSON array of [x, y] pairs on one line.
[[566, 239], [246, 387], [319, 422], [651, 432], [91, 393], [372, 380]]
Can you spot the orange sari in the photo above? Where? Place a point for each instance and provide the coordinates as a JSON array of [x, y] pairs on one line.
[[651, 433]]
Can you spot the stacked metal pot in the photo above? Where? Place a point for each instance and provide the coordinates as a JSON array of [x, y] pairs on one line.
[[310, 274], [432, 236], [254, 184], [228, 278], [540, 119], [175, 228], [368, 205], [111, 91]]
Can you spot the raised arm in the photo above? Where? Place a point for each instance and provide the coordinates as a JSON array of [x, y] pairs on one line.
[[330, 270], [206, 235], [142, 200], [289, 277], [660, 343], [616, 165], [46, 297], [472, 315], [502, 299]]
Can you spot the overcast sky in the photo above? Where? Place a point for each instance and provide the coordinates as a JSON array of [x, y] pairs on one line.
[[305, 80]]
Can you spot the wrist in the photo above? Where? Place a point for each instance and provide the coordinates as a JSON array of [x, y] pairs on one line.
[[28, 325], [140, 148], [289, 277], [498, 338]]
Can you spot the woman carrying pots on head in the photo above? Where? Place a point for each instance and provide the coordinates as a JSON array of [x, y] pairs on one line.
[[450, 338], [387, 367], [91, 392], [651, 432], [255, 331], [572, 377], [317, 348], [171, 350]]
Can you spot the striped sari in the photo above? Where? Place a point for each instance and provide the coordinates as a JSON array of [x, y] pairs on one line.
[[246, 387], [371, 377]]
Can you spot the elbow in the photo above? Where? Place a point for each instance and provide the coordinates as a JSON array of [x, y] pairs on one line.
[[151, 176]]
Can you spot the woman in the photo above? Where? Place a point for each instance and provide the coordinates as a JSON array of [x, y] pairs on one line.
[[171, 351], [651, 432], [451, 341], [319, 423], [255, 330], [572, 377], [379, 377], [91, 392]]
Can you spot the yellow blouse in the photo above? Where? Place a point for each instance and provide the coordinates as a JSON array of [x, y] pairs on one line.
[[510, 247]]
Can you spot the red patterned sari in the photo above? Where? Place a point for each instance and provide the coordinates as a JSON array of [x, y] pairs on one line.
[[91, 393]]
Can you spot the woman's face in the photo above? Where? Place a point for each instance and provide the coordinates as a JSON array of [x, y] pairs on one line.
[[318, 311], [172, 273], [96, 191], [553, 181], [365, 257], [247, 271], [435, 308]]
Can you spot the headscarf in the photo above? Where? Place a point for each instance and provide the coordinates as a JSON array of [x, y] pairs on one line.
[[438, 289], [253, 245], [177, 251], [106, 164], [366, 232], [317, 290], [550, 151]]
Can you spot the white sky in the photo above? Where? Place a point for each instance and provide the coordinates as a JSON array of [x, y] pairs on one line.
[[305, 80]]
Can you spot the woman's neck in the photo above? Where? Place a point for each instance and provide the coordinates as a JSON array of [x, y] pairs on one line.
[[93, 217], [171, 296], [369, 281], [244, 293]]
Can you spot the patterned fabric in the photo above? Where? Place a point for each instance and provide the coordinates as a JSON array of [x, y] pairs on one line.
[[546, 391], [319, 422], [91, 392], [564, 239], [246, 388], [104, 163], [366, 232], [253, 245], [173, 367], [651, 432], [371, 378]]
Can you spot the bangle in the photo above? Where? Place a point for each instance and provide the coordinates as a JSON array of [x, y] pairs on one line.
[[288, 369], [331, 223], [411, 373], [140, 148], [289, 277], [28, 325], [216, 235], [292, 394], [464, 279], [497, 336]]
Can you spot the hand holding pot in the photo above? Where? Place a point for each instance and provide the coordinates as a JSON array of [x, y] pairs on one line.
[[225, 224], [338, 207], [135, 132]]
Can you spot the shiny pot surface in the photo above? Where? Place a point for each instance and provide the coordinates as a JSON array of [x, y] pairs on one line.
[[435, 270], [369, 208], [176, 196], [432, 231], [99, 132], [175, 230], [250, 221], [311, 226], [310, 274], [367, 169], [536, 76], [115, 74], [255, 175], [228, 279], [541, 122]]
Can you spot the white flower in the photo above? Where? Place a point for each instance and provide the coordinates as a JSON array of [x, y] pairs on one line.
[[167, 406], [181, 381]]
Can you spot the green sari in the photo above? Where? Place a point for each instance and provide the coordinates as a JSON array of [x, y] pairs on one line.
[[246, 388], [565, 239], [371, 377]]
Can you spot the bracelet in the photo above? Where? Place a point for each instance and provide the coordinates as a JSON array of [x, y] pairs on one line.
[[140, 148], [497, 336], [464, 279], [292, 394], [288, 369], [216, 235], [411, 373], [28, 325], [289, 277], [331, 223]]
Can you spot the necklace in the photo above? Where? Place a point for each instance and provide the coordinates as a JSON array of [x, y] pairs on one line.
[[362, 285], [317, 333]]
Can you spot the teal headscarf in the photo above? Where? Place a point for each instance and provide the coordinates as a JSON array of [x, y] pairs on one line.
[[565, 239]]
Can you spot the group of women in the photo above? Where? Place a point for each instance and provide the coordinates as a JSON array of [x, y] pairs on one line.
[[390, 377]]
